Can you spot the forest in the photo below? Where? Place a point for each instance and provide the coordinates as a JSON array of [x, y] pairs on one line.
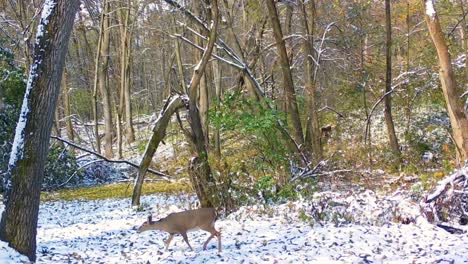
[[236, 131]]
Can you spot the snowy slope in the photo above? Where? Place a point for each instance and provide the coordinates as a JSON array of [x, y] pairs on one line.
[[103, 232]]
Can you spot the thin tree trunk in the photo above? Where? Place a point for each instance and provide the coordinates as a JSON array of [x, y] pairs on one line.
[[66, 107], [447, 78], [288, 83], [18, 225], [97, 68], [219, 93], [56, 123], [408, 92], [103, 83], [203, 91], [388, 83], [180, 67], [313, 130], [125, 54]]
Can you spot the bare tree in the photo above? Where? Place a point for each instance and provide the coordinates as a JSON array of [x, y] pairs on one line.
[[27, 159], [200, 171], [449, 85], [313, 131], [388, 82], [126, 32], [288, 83], [203, 91], [102, 77]]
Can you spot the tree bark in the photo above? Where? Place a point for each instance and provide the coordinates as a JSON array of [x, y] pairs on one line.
[[388, 83], [288, 83], [159, 132], [18, 225], [447, 78]]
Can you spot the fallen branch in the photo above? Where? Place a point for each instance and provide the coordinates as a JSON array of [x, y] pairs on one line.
[[451, 229], [163, 175], [307, 173], [442, 186]]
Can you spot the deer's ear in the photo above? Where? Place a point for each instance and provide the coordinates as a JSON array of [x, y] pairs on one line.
[[150, 219]]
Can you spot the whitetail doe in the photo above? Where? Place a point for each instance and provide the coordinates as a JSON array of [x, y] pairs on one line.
[[183, 222]]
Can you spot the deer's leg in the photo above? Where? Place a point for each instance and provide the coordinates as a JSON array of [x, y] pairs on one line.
[[213, 233], [184, 235], [207, 241], [218, 235], [168, 240]]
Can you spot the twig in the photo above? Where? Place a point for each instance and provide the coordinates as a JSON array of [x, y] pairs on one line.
[[163, 175], [330, 109]]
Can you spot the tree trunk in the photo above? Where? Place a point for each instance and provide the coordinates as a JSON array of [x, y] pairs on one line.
[[180, 67], [288, 84], [18, 225], [313, 130], [200, 171], [159, 132], [203, 91], [125, 54], [217, 74], [66, 107], [103, 83], [447, 78], [409, 94], [388, 83], [97, 69]]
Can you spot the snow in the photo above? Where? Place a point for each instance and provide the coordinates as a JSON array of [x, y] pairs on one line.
[[105, 232], [430, 10], [10, 256], [46, 12]]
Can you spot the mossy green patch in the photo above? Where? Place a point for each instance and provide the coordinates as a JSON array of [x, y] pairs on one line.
[[118, 190]]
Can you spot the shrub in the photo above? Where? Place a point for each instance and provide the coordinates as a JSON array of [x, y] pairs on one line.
[[61, 169]]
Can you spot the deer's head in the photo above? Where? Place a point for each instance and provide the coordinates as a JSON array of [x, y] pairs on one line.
[[148, 225]]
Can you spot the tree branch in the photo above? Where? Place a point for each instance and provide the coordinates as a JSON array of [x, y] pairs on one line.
[[163, 175]]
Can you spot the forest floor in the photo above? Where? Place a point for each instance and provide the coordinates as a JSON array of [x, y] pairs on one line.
[[354, 228]]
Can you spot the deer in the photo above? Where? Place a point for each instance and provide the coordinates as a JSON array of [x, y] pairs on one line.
[[183, 222]]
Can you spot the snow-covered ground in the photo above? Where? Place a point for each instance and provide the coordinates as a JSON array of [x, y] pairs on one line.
[[104, 232]]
